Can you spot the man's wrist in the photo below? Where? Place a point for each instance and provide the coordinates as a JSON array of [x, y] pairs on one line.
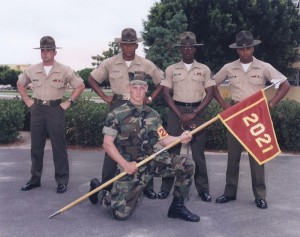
[[71, 100]]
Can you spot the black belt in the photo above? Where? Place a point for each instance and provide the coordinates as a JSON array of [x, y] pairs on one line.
[[51, 103], [189, 105], [121, 97]]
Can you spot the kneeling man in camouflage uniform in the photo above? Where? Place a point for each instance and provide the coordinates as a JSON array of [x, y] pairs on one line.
[[131, 133]]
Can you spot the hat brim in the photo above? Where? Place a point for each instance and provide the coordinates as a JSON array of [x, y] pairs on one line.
[[138, 82], [48, 48], [119, 40], [194, 45], [235, 46]]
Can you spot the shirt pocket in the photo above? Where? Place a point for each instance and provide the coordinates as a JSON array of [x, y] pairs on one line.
[[198, 81], [128, 131], [233, 80], [257, 80], [36, 83], [114, 76], [57, 83], [178, 78]]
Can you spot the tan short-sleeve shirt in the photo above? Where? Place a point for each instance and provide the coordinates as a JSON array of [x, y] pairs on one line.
[[116, 71], [53, 86], [188, 85], [244, 84]]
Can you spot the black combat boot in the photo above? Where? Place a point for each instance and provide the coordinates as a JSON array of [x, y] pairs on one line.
[[178, 210], [93, 185]]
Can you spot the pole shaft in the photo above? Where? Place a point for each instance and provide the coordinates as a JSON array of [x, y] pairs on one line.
[[121, 175]]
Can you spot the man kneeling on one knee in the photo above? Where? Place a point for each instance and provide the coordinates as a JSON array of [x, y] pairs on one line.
[[131, 132]]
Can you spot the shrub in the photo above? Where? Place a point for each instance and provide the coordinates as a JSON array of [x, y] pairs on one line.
[[11, 119], [85, 120], [215, 132], [84, 123], [286, 121]]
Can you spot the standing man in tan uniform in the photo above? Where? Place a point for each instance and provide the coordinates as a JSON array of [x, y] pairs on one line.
[[116, 69], [246, 76], [192, 87], [49, 81]]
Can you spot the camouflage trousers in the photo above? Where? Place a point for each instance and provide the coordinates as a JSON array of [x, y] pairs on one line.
[[126, 192]]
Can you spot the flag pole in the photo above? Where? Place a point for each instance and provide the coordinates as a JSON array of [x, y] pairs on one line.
[[77, 201], [275, 83]]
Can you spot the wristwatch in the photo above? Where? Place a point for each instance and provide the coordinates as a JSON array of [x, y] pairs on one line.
[[70, 100]]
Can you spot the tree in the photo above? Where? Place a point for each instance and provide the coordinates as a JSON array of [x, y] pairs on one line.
[[9, 76], [216, 22], [162, 39], [84, 74], [114, 49]]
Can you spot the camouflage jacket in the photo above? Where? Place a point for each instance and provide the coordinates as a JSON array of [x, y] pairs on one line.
[[134, 129]]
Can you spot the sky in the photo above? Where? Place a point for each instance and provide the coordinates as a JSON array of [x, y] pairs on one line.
[[83, 28]]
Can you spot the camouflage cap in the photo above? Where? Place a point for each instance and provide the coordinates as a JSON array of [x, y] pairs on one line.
[[47, 42], [137, 78]]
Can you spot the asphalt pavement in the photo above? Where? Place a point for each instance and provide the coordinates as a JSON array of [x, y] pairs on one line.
[[26, 213]]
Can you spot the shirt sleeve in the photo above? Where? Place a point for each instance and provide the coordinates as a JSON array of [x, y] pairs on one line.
[[24, 79], [74, 79], [111, 125], [220, 76], [101, 73], [209, 79], [167, 81], [156, 74]]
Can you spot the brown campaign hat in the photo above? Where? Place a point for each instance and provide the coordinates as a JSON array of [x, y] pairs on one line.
[[128, 36], [187, 39], [138, 78], [244, 39], [47, 42]]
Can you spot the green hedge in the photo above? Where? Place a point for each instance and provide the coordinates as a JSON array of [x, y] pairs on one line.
[[84, 123], [215, 132], [286, 121], [11, 119]]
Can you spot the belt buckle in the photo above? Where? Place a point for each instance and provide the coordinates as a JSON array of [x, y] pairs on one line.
[[189, 105]]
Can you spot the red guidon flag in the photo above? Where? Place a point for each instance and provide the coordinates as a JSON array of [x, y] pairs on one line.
[[250, 122]]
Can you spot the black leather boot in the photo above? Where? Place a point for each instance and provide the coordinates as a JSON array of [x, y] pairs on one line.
[[178, 210], [93, 185]]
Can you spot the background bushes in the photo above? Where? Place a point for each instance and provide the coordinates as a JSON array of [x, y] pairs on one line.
[[286, 121], [84, 123], [215, 132], [12, 116]]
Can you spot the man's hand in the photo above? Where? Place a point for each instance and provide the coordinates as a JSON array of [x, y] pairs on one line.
[[130, 167], [108, 99], [185, 137], [147, 100], [65, 105], [29, 102], [188, 117], [225, 106]]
